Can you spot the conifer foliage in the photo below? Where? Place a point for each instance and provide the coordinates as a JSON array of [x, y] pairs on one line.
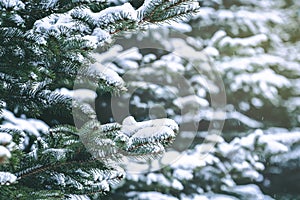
[[45, 45], [254, 46]]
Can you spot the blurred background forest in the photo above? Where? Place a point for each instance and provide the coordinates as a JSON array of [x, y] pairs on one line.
[[244, 50], [230, 77]]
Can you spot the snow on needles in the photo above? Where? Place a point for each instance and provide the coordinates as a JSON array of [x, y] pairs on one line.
[[4, 153], [16, 4], [104, 19], [5, 138], [7, 178], [108, 75], [108, 15], [150, 195], [131, 127], [32, 126]]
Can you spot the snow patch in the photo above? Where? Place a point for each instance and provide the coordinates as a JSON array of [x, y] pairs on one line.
[[7, 178], [182, 174], [5, 138], [150, 196], [32, 126], [182, 102], [4, 153]]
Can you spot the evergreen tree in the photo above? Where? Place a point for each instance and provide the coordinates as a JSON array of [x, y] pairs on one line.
[[45, 46], [253, 46]]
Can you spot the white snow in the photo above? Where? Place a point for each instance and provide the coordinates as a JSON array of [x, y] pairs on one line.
[[179, 26], [225, 14], [149, 57], [58, 153], [81, 95], [98, 36], [153, 133], [252, 41], [103, 18], [244, 106], [293, 103], [177, 185], [250, 191], [49, 4], [259, 166], [129, 121], [222, 197], [98, 174], [157, 178], [16, 4], [205, 13], [285, 137], [182, 174], [107, 74], [162, 126], [53, 22], [262, 61], [286, 158], [59, 178], [129, 64], [180, 49], [171, 62], [136, 100], [4, 152], [77, 197], [169, 157], [225, 148], [247, 170], [257, 102], [65, 92], [198, 102], [7, 178], [214, 138], [248, 141], [211, 51], [109, 15], [266, 80], [108, 55], [272, 147], [244, 119], [150, 196], [217, 37], [85, 95], [18, 19], [5, 138], [32, 126], [193, 197], [131, 54], [148, 7], [204, 83], [188, 162], [271, 16], [255, 20]]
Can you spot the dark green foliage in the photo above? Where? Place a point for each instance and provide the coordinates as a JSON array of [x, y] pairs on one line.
[[46, 45]]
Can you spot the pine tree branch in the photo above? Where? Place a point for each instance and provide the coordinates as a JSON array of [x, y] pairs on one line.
[[166, 10]]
